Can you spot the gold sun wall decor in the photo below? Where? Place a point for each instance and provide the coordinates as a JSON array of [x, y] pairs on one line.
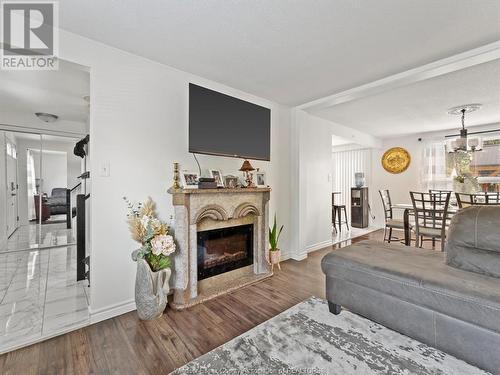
[[396, 160]]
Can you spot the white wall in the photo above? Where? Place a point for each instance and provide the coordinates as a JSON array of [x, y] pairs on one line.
[[138, 124], [54, 169], [399, 185], [312, 180], [316, 155]]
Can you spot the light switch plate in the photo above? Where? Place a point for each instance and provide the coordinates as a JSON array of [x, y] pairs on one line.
[[104, 169]]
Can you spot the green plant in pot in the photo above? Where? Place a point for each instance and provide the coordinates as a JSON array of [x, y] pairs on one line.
[[274, 251]]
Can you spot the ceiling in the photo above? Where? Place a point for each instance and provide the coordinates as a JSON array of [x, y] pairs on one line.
[[422, 107], [59, 92], [288, 51]]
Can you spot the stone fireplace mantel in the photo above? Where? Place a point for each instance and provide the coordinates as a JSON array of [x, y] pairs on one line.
[[206, 209]]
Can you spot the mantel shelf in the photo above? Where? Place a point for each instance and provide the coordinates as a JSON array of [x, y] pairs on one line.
[[219, 190]]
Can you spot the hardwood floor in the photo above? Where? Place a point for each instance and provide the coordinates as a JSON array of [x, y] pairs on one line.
[[126, 345]]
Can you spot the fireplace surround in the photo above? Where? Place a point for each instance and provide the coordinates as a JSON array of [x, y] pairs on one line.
[[207, 214]]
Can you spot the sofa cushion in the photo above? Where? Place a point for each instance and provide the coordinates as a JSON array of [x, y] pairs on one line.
[[474, 240], [59, 192], [420, 277]]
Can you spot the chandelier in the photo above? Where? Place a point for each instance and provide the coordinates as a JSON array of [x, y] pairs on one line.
[[464, 143]]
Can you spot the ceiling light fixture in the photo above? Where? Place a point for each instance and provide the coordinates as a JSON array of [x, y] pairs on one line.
[[46, 117], [464, 143]]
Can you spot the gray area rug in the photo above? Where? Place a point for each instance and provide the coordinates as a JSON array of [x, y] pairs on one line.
[[308, 339]]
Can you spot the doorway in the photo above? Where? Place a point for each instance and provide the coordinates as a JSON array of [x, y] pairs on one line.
[[348, 159], [43, 115]]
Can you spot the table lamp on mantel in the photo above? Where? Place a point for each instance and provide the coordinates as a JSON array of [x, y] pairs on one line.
[[247, 169]]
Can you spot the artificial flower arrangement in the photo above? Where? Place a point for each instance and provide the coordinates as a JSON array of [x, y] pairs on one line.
[[151, 233]]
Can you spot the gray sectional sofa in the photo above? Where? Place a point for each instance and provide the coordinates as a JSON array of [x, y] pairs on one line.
[[449, 300]]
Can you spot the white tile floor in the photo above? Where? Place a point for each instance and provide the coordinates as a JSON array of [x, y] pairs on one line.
[[33, 236], [39, 296], [346, 235]]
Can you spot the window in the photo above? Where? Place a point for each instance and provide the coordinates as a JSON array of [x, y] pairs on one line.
[[435, 173], [485, 165], [462, 172]]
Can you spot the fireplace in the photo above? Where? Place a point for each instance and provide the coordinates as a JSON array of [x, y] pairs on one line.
[[207, 263], [225, 249]]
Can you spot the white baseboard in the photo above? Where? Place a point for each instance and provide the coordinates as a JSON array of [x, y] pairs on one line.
[[318, 245], [299, 257], [285, 256], [111, 311]]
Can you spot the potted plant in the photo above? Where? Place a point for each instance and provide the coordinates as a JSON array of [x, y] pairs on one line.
[[153, 258], [274, 251]]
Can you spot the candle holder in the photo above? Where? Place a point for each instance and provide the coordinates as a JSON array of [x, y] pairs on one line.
[[177, 185]]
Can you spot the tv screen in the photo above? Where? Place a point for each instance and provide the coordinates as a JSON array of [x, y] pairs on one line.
[[222, 125]]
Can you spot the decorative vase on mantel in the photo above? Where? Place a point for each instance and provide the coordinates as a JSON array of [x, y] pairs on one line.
[[151, 289]]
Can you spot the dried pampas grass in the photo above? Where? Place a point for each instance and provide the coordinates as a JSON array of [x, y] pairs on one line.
[[136, 229], [135, 225], [148, 208]]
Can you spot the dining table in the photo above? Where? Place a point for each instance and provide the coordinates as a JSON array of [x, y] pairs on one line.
[[407, 210]]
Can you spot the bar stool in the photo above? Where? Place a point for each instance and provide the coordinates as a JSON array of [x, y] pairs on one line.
[[337, 214]]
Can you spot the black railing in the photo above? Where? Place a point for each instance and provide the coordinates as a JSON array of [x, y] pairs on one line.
[[82, 260], [76, 186], [69, 208]]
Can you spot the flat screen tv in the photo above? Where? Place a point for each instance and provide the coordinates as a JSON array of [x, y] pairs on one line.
[[220, 124]]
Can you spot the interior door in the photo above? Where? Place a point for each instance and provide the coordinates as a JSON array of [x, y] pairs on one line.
[[12, 188]]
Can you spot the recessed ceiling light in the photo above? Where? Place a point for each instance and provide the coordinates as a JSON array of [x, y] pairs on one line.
[[46, 117]]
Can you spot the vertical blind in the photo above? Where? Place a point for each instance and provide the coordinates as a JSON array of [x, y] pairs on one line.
[[345, 164]]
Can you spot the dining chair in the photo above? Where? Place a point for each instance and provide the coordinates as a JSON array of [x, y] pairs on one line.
[[443, 193], [480, 199], [431, 216], [390, 222], [337, 214]]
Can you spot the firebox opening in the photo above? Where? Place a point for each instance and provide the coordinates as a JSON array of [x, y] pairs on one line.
[[224, 250]]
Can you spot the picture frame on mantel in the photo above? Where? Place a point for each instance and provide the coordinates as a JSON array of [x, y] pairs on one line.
[[260, 179], [189, 180], [231, 181], [217, 174]]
